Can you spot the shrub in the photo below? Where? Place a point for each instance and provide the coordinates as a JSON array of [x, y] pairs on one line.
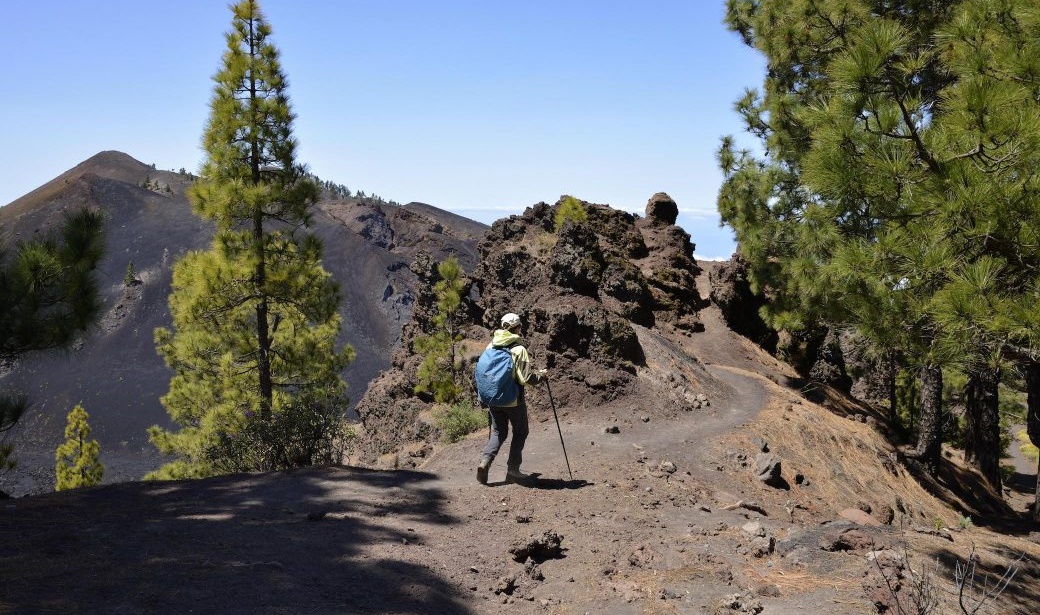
[[571, 210], [458, 420]]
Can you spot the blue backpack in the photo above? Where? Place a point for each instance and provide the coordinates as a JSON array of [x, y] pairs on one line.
[[495, 383]]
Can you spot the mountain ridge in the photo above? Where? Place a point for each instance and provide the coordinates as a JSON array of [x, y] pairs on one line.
[[114, 369]]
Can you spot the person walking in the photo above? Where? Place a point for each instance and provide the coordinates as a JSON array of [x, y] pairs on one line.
[[500, 386]]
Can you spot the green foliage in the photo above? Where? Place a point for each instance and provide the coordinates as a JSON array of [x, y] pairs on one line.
[[899, 187], [48, 295], [439, 371], [48, 292], [1026, 446], [131, 277], [898, 191], [908, 397], [965, 522], [458, 420], [77, 462], [256, 382], [569, 210]]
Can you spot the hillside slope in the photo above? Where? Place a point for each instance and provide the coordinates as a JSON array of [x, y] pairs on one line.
[[663, 516], [115, 371]]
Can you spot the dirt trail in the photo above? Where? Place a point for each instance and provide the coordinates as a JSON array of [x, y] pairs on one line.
[[340, 540]]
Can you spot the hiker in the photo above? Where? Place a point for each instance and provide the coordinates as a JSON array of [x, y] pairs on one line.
[[502, 373]]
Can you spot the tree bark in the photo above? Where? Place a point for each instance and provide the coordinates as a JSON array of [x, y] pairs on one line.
[[893, 401], [263, 331], [1033, 420], [930, 436], [982, 411]]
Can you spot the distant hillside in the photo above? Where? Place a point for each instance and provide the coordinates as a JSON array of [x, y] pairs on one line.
[[115, 370]]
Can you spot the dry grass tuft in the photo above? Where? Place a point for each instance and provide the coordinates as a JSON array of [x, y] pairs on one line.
[[790, 581]]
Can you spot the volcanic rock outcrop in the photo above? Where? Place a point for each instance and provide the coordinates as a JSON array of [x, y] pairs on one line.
[[589, 294]]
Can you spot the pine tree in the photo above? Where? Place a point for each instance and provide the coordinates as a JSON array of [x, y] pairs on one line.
[[48, 294], [439, 371], [899, 191], [77, 459], [257, 381], [131, 276]]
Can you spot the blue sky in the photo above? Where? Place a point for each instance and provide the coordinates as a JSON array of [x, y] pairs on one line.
[[479, 107]]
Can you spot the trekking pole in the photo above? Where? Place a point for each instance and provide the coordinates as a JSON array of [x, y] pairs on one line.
[[562, 445]]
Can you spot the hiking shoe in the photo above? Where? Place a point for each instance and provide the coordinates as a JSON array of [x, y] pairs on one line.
[[517, 477], [482, 470]]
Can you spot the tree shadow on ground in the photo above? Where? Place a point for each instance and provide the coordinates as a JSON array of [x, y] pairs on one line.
[[316, 540], [1022, 593]]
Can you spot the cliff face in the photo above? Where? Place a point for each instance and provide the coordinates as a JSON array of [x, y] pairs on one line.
[[592, 296], [115, 371]]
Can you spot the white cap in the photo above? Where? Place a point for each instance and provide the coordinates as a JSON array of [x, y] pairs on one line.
[[510, 320]]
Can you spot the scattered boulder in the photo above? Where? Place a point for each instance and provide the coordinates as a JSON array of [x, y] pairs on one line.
[[505, 585], [767, 468], [612, 429], [941, 532], [885, 514], [848, 539], [887, 582], [661, 209], [859, 516], [538, 548], [754, 529], [762, 546], [739, 603], [533, 571], [642, 557], [767, 590], [761, 445]]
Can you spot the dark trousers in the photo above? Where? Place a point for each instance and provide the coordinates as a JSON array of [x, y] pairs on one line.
[[501, 419]]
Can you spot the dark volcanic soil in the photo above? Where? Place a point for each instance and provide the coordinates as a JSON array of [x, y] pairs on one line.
[[653, 521]]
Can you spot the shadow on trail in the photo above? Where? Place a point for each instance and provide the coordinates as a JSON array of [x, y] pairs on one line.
[[549, 484], [315, 541]]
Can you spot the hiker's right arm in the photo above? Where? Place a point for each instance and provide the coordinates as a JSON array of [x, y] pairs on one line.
[[522, 367]]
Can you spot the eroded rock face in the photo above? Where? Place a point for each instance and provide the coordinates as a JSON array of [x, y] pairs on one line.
[[731, 292], [580, 292], [829, 367], [576, 260]]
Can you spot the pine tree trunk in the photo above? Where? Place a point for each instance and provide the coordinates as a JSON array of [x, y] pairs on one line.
[[893, 401], [1033, 420], [982, 440], [263, 332], [1036, 498], [930, 436]]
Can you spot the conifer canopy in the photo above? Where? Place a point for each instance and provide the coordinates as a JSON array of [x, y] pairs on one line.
[[257, 382]]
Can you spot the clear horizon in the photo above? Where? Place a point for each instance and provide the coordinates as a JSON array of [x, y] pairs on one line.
[[482, 109]]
